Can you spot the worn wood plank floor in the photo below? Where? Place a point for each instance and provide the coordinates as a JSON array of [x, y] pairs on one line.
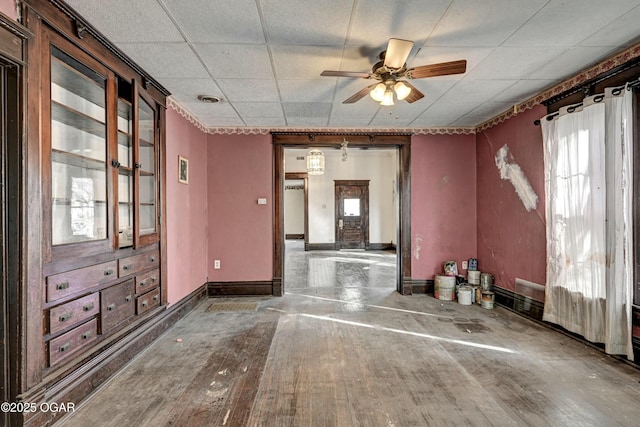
[[360, 354]]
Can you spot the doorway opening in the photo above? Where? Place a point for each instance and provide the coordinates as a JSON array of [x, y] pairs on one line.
[[395, 248]]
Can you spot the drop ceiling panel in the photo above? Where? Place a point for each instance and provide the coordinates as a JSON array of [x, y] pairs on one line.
[[114, 19], [264, 122], [237, 50], [412, 20], [482, 23], [563, 65], [236, 60], [307, 22], [514, 62], [444, 113], [313, 90], [187, 90], [259, 109], [305, 62], [621, 32], [166, 60], [476, 90], [263, 90], [523, 90], [203, 109], [213, 21], [549, 26], [222, 121]]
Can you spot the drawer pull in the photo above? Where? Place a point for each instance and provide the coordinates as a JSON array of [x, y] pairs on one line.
[[65, 317], [88, 307], [153, 278], [126, 267], [108, 272], [127, 298], [87, 335], [111, 307], [144, 303], [155, 297], [143, 283], [153, 259], [64, 347], [62, 286]]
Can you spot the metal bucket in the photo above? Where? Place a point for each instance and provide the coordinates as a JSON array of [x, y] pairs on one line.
[[464, 295], [486, 281], [444, 287], [473, 277], [488, 299]]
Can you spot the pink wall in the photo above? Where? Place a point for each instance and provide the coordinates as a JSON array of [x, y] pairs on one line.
[[187, 218], [240, 230], [443, 202], [8, 7], [511, 241]]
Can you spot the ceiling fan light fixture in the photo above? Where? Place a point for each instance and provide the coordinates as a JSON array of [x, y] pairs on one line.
[[315, 162], [377, 93], [402, 90], [387, 99]]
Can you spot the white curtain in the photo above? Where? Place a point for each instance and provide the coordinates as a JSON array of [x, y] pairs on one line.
[[588, 213], [619, 166]]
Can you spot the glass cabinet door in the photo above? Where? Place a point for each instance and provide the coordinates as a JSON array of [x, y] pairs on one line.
[[125, 174], [78, 152], [146, 166]]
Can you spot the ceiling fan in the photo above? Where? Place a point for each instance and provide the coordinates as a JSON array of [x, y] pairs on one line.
[[390, 71]]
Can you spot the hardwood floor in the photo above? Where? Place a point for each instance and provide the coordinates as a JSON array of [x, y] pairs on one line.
[[342, 348]]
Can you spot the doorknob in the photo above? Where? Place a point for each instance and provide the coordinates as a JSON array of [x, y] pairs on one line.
[[340, 223]]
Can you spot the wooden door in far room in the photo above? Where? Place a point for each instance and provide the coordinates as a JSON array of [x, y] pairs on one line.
[[352, 214]]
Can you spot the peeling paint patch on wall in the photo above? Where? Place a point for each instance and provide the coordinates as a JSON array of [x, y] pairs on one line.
[[417, 245], [511, 171]]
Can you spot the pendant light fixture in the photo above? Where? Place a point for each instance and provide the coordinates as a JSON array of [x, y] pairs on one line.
[[315, 162]]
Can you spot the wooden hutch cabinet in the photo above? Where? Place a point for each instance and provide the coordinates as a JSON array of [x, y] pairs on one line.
[[94, 243]]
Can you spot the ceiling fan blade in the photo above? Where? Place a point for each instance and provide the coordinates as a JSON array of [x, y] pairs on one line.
[[357, 74], [359, 95], [414, 95], [397, 53], [441, 69]]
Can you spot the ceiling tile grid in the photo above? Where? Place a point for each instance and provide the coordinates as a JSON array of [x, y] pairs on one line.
[[263, 58]]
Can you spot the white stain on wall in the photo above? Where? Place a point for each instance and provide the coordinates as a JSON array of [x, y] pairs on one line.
[[511, 171], [417, 245]]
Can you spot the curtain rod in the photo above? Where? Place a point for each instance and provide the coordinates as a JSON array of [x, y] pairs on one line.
[[596, 98]]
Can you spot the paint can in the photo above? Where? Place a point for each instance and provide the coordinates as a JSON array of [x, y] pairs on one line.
[[488, 299], [476, 294], [486, 281], [450, 268], [444, 287], [473, 264], [478, 290], [473, 277], [464, 295]]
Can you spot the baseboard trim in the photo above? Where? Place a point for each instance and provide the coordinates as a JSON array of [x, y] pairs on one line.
[[235, 289], [321, 247], [381, 247], [519, 303], [89, 375], [421, 286], [294, 236]]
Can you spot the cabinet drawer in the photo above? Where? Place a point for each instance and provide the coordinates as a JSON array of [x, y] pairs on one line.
[[73, 312], [62, 284], [137, 263], [147, 281], [148, 301], [73, 341], [117, 304]]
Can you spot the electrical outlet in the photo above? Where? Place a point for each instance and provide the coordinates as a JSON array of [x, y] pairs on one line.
[[465, 265], [216, 264]]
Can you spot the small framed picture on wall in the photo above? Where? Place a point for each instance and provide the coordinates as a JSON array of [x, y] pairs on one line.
[[183, 170]]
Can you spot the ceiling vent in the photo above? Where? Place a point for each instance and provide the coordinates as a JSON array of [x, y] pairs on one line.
[[209, 98]]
